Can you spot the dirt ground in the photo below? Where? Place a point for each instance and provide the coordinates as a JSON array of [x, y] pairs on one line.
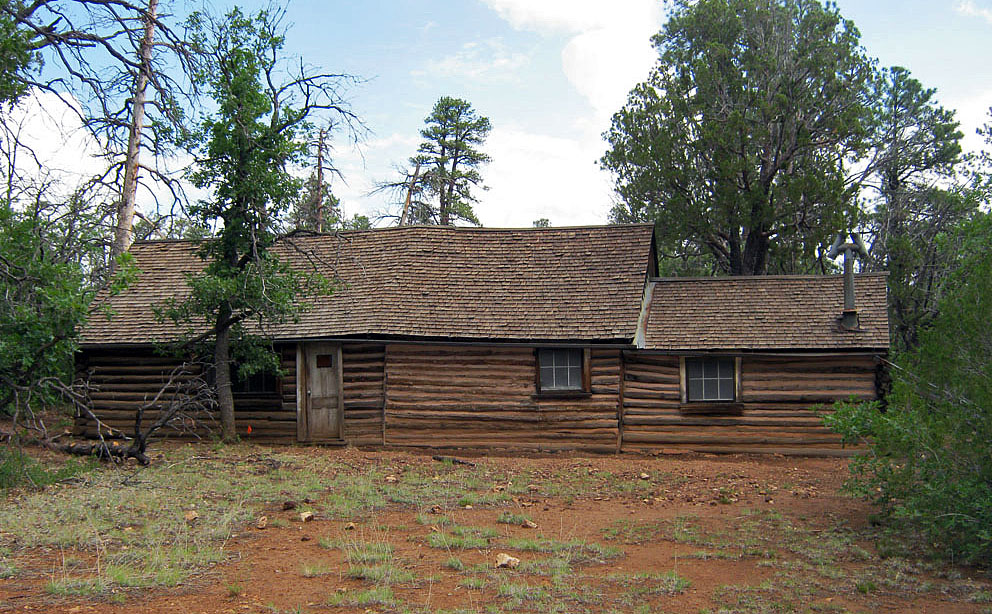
[[669, 533]]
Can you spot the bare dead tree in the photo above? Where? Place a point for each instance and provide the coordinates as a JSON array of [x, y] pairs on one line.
[[184, 404], [129, 69]]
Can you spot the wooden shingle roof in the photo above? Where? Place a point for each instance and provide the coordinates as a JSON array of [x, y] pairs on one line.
[[787, 313], [553, 284]]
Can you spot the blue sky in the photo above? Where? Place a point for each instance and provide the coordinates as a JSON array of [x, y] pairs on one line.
[[550, 73]]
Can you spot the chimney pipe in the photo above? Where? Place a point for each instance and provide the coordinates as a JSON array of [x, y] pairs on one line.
[[849, 317]]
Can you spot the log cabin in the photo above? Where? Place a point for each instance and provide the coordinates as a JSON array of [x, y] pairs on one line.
[[516, 339]]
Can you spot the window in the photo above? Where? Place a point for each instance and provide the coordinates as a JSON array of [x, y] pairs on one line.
[[560, 369], [710, 380], [256, 383]]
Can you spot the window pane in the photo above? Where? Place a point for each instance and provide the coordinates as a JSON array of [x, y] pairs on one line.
[[693, 369], [545, 357], [695, 389], [547, 377], [710, 390], [726, 389], [575, 377], [727, 368], [711, 368]]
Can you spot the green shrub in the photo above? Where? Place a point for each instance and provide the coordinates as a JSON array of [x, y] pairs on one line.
[[19, 469], [929, 467]]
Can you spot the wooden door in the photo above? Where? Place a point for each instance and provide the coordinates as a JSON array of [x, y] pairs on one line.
[[323, 405]]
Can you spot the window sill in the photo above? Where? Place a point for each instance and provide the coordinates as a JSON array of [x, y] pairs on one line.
[[711, 408], [561, 394]]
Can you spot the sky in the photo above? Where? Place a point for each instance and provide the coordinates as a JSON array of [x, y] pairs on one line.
[[549, 74]]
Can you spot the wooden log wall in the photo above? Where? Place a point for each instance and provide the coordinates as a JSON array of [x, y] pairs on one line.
[[126, 379], [777, 395], [363, 373], [485, 397]]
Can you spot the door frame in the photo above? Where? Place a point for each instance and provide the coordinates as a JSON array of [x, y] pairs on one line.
[[303, 398]]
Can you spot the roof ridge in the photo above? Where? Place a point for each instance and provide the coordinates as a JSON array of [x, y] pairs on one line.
[[731, 278], [427, 228]]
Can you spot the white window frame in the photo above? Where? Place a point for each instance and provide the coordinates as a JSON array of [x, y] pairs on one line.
[[571, 361], [735, 376]]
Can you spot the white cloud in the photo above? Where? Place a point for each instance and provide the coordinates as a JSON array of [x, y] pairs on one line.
[[609, 49], [535, 175], [54, 147], [971, 9], [573, 16], [973, 113], [489, 59]]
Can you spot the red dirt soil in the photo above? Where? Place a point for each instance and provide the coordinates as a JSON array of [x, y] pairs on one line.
[[718, 493]]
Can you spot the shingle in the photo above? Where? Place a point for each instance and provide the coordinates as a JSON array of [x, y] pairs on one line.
[[765, 313], [467, 283]]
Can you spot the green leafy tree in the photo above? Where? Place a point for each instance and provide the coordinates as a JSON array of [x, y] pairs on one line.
[[450, 159], [914, 196], [929, 466], [317, 208], [17, 55], [45, 299], [259, 129], [735, 145]]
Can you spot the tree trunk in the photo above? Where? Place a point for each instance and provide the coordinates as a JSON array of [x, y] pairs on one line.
[[125, 208], [446, 202], [317, 208], [222, 370], [755, 256], [405, 218]]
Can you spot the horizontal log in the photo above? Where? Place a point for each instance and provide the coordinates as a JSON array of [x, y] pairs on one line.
[[449, 444], [150, 416], [630, 392], [432, 360], [824, 386], [363, 357], [427, 383], [633, 419], [129, 359], [814, 376], [363, 378], [634, 357], [799, 368], [353, 403], [395, 424], [653, 380], [812, 451], [498, 437], [98, 378], [528, 420], [657, 403], [638, 437], [453, 350], [612, 391], [131, 370], [830, 397]]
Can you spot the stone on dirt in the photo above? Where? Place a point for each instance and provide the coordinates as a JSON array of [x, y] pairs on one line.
[[506, 561]]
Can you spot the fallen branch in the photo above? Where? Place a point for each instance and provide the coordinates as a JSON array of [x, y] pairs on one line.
[[452, 459]]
